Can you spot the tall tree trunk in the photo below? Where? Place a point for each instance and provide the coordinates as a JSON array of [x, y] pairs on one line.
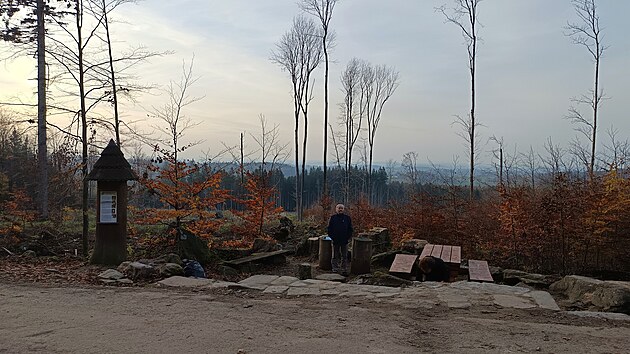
[[113, 75], [42, 148], [596, 99], [84, 138], [325, 47]]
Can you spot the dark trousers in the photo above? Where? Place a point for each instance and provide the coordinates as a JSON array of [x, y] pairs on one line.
[[340, 255]]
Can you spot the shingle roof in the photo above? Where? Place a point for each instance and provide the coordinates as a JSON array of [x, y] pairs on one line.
[[112, 166]]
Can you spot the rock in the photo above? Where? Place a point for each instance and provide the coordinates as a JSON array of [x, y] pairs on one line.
[[381, 242], [331, 277], [281, 234], [112, 274], [137, 270], [167, 258], [170, 269], [611, 296], [305, 271], [192, 247], [227, 271], [414, 246], [232, 253], [263, 245], [384, 259], [124, 281], [183, 282], [382, 279], [29, 254], [513, 277]]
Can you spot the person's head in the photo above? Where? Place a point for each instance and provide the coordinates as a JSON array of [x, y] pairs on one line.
[[340, 208], [427, 264]]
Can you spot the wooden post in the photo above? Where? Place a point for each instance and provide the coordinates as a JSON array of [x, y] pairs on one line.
[[361, 255], [111, 171], [325, 253]]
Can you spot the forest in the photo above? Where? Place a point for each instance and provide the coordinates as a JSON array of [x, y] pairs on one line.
[[551, 210]]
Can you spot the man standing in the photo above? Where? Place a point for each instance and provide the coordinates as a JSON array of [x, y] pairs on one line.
[[340, 231]]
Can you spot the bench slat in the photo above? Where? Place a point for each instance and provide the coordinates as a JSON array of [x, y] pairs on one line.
[[456, 255], [437, 251], [446, 253], [426, 251], [479, 271]]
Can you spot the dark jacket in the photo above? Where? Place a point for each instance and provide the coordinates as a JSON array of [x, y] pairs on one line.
[[340, 229], [439, 272]]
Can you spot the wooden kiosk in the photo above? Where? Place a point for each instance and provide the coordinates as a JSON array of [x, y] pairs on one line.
[[111, 172]]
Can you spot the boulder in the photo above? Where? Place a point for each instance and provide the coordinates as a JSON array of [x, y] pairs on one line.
[[170, 269], [167, 258], [378, 278], [381, 242], [414, 246], [111, 274], [29, 254], [513, 277], [384, 259], [137, 270], [613, 296], [193, 247]]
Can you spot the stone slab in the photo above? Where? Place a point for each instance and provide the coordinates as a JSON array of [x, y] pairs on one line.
[[544, 300], [276, 289], [607, 315], [513, 302], [258, 282], [284, 280], [331, 277], [298, 291], [184, 282]]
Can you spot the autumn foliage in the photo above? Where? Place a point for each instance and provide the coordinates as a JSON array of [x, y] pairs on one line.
[[189, 194]]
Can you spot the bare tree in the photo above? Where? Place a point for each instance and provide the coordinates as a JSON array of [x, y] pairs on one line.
[[323, 10], [378, 84], [299, 52], [350, 120], [587, 33], [409, 164], [464, 16]]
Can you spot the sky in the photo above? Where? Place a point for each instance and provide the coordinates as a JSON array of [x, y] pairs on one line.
[[527, 71]]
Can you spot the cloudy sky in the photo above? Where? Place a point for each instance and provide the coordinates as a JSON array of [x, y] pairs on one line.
[[527, 70]]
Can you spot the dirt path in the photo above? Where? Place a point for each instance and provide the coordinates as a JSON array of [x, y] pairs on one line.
[[34, 318]]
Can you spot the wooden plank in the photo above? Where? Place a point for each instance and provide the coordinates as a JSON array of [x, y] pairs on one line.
[[437, 251], [256, 257], [446, 253], [426, 251], [456, 255], [403, 263], [479, 271]]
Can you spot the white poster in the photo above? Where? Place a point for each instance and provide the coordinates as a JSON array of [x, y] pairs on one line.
[[108, 207]]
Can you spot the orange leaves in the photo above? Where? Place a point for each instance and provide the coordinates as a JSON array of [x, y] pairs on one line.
[[260, 205], [16, 212], [189, 195]]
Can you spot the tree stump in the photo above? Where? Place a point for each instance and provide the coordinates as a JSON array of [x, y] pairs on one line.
[[313, 246], [305, 271], [325, 253], [361, 255]]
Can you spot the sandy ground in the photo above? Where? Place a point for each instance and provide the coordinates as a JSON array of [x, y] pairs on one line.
[[37, 318]]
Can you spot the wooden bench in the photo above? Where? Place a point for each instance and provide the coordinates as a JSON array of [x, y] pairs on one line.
[[479, 271], [243, 264], [451, 255]]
